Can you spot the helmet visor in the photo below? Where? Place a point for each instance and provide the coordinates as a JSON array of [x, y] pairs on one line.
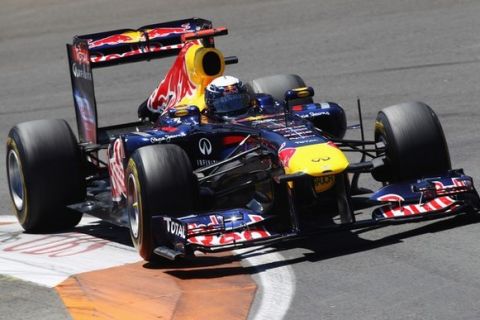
[[231, 103]]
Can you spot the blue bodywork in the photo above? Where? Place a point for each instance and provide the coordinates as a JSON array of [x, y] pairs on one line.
[[265, 123], [268, 125]]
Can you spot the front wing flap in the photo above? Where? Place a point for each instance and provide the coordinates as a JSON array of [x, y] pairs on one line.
[[216, 230], [448, 194]]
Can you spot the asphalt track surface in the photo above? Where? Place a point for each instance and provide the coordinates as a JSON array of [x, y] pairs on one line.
[[384, 52]]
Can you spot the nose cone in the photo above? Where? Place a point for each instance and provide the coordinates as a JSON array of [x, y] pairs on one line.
[[315, 160]]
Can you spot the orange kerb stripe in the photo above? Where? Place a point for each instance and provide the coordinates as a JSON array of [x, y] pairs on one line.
[[205, 289]]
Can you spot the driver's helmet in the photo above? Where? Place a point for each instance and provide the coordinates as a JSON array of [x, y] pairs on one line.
[[226, 96]]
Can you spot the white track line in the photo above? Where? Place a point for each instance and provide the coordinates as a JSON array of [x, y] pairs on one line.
[[49, 259], [276, 284]]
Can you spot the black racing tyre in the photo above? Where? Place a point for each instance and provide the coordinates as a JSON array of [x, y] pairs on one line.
[[414, 140], [277, 85], [160, 181], [44, 170]]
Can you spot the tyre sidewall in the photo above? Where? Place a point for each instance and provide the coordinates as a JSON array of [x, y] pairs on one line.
[[23, 216], [143, 240]]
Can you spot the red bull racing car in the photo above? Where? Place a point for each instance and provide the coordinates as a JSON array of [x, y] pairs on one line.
[[190, 181]]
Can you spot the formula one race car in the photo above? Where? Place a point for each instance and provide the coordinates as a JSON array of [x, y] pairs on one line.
[[191, 180]]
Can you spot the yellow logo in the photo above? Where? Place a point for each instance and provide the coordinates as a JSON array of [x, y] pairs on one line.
[[323, 183]]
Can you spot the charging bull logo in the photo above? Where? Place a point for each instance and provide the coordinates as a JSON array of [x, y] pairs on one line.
[[112, 40], [165, 32], [174, 87]]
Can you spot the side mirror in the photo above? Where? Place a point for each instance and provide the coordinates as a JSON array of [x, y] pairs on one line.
[[185, 111], [293, 94], [298, 93]]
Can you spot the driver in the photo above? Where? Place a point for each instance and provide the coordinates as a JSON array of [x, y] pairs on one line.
[[226, 97]]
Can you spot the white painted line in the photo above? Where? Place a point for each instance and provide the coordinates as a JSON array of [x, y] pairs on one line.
[[276, 285], [7, 219], [49, 259]]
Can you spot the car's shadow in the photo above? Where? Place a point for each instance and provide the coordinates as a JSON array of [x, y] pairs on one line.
[[106, 231], [321, 247]]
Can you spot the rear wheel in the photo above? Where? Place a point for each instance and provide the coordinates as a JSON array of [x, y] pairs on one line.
[[160, 181], [414, 140], [44, 170], [277, 85]]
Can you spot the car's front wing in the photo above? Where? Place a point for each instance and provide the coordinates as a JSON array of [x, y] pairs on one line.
[[235, 228]]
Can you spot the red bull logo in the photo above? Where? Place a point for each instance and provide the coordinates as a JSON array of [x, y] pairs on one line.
[[232, 237], [135, 50], [444, 204], [111, 40], [165, 32], [135, 36], [175, 86], [285, 155]]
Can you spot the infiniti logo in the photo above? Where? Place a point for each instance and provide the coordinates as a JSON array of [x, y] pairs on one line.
[[205, 146], [320, 159]]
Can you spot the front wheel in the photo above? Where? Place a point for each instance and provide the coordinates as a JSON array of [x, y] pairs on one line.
[[415, 145], [160, 181]]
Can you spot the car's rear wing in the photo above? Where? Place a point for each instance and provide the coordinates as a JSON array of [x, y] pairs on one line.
[[131, 45], [110, 48]]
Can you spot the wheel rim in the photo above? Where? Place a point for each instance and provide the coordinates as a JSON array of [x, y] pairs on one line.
[[16, 181], [133, 206]]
